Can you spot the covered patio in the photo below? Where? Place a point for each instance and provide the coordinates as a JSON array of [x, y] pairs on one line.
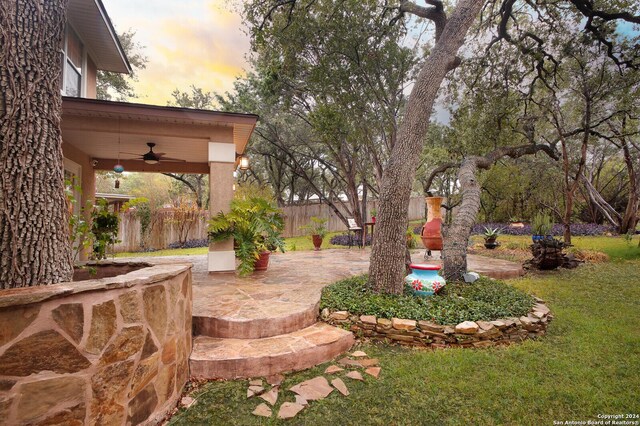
[[98, 134]]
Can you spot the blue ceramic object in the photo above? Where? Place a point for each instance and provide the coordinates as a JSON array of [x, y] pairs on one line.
[[118, 168], [538, 238], [424, 279]]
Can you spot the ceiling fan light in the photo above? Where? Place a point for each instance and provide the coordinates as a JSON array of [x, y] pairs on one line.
[[151, 161]]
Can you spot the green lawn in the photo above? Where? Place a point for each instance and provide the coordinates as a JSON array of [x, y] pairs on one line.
[[292, 244], [588, 364], [616, 246]]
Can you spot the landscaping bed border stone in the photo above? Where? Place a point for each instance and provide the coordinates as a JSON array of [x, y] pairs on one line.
[[467, 334]]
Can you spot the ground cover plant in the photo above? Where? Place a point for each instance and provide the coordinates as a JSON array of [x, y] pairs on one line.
[[587, 364], [485, 300]]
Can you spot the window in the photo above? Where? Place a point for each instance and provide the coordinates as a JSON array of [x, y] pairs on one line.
[[72, 64]]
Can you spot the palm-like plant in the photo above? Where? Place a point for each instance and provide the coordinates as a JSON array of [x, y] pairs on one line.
[[255, 224]]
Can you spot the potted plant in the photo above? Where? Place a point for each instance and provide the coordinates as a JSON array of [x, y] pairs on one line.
[[374, 212], [541, 227], [255, 224], [490, 237], [515, 222], [317, 229]]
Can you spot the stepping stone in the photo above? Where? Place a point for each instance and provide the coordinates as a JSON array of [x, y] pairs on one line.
[[373, 371], [275, 380], [359, 354], [262, 410], [256, 382], [300, 400], [355, 375], [288, 410], [339, 384], [333, 369], [254, 390], [369, 362], [271, 396], [349, 362], [313, 389], [187, 401]]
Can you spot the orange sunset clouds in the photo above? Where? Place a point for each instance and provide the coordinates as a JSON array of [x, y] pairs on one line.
[[198, 42]]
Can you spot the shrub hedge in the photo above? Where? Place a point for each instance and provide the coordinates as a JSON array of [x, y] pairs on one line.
[[483, 300]]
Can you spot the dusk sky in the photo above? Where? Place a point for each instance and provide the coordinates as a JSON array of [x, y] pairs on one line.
[[198, 42]]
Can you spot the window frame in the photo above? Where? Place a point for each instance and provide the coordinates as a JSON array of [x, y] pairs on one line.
[[66, 61]]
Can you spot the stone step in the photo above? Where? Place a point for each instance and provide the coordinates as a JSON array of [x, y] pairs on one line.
[[273, 323], [220, 358], [270, 313]]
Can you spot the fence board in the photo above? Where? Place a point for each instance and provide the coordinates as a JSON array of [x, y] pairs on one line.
[[165, 231]]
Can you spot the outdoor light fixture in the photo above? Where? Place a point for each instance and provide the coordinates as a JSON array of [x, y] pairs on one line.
[[151, 161], [243, 162]]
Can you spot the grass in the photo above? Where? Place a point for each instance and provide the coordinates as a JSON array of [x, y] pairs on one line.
[[291, 244], [588, 364], [616, 247]]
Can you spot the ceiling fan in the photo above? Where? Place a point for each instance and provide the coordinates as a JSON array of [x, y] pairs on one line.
[[152, 157]]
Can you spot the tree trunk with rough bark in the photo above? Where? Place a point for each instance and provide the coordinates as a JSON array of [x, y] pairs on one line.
[[387, 267], [630, 218], [456, 235], [34, 232]]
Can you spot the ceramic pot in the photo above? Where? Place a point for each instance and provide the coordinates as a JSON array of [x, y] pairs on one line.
[[424, 279], [317, 242], [430, 234], [491, 244], [263, 262]]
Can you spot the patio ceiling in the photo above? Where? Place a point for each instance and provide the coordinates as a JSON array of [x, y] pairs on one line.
[[106, 131]]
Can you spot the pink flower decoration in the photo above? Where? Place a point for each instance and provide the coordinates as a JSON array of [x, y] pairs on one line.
[[417, 284], [436, 285]]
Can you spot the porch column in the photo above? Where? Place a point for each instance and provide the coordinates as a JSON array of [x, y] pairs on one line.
[[222, 157]]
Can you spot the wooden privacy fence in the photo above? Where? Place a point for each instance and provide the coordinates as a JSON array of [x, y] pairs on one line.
[[168, 226], [300, 215]]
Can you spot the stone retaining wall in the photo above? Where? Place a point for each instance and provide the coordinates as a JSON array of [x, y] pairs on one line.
[[477, 334], [108, 351]]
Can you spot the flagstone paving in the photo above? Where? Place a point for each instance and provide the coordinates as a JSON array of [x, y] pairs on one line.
[[314, 389], [265, 324]]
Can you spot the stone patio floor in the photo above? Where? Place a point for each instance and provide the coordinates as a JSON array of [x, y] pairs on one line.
[[294, 281]]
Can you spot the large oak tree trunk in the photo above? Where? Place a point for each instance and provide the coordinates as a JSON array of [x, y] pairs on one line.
[[34, 238], [456, 235], [387, 267]]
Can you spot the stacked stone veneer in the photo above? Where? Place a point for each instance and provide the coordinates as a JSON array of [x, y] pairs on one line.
[[109, 351], [428, 334]]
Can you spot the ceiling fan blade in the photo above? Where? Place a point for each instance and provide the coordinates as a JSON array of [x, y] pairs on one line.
[[131, 153], [159, 154], [171, 159]]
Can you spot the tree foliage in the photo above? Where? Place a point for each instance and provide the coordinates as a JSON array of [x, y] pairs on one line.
[[117, 86]]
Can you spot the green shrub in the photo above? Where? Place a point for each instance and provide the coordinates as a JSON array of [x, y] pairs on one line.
[[484, 300]]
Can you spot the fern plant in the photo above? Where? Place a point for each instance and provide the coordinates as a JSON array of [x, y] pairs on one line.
[[255, 224]]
